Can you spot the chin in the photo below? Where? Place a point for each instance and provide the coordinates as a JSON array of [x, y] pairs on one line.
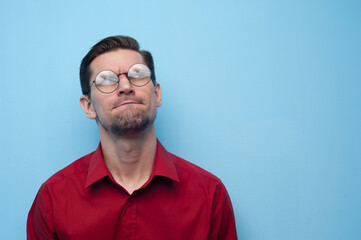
[[132, 123]]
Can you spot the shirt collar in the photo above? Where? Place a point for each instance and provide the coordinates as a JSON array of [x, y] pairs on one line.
[[97, 168], [163, 166]]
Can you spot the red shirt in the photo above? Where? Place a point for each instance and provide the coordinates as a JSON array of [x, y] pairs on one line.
[[179, 201]]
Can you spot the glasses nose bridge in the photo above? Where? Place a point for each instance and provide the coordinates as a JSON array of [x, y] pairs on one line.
[[124, 85], [125, 74]]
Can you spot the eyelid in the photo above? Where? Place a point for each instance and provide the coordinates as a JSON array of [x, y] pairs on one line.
[[106, 76], [136, 75], [139, 71]]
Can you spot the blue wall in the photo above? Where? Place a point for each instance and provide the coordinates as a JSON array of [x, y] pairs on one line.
[[264, 94]]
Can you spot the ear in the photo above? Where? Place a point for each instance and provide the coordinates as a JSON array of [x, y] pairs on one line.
[[88, 107], [158, 93]]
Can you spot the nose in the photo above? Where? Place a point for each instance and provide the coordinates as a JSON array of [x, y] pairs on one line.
[[124, 85]]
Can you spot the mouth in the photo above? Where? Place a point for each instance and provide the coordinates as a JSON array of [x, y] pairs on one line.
[[127, 102]]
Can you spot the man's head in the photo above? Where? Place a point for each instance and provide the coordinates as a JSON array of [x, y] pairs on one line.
[[107, 45], [129, 109]]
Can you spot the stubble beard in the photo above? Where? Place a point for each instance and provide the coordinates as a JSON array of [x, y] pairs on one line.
[[130, 123]]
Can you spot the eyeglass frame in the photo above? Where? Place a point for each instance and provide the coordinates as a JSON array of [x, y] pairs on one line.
[[94, 81]]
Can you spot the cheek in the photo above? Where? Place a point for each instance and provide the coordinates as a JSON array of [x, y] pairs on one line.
[[153, 100], [100, 107]]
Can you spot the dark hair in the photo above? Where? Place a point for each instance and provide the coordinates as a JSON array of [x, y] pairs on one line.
[[107, 45]]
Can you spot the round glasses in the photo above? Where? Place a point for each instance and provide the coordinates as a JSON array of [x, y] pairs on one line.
[[107, 81]]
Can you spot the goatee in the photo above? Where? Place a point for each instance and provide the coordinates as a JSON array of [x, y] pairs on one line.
[[131, 123]]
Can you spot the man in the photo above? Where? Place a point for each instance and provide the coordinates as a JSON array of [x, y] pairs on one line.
[[130, 187]]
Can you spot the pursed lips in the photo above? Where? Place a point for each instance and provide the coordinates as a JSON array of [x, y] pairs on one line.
[[127, 102]]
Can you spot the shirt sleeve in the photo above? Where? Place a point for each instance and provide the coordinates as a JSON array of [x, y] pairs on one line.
[[223, 226], [40, 223]]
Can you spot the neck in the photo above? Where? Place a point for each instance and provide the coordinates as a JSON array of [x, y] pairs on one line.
[[129, 158]]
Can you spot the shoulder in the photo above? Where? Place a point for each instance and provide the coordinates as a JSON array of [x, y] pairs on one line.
[[73, 171], [188, 171], [59, 184], [196, 181]]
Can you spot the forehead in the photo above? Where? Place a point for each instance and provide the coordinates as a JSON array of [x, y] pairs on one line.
[[119, 60]]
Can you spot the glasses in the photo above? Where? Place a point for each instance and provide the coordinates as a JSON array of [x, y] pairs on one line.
[[107, 81]]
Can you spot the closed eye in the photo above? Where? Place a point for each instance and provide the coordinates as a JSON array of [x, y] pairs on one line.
[[108, 81]]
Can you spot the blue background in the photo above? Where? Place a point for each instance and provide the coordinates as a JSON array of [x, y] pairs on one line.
[[264, 94]]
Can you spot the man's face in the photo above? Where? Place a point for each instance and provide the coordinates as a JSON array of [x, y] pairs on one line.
[[128, 110]]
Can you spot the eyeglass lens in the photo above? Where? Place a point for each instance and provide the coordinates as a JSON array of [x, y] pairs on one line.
[[107, 81]]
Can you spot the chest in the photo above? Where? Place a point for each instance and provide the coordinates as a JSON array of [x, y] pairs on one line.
[[158, 212]]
